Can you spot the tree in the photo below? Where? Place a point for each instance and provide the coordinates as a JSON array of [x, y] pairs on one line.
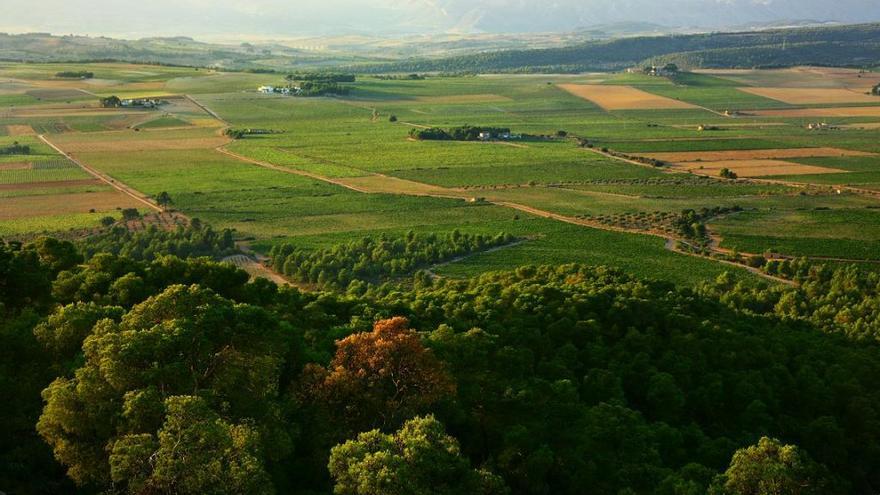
[[195, 452], [418, 459], [771, 468], [63, 332], [55, 254], [184, 341], [107, 221], [379, 378], [130, 214], [163, 199], [726, 173], [111, 102]]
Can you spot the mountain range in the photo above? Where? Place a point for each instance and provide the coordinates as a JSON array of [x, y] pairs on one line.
[[280, 18]]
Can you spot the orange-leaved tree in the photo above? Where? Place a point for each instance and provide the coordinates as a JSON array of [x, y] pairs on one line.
[[378, 379]]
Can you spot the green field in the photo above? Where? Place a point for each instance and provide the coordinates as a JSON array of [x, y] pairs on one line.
[[345, 138]]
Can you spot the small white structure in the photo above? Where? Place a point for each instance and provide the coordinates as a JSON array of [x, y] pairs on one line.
[[485, 136], [141, 102], [266, 89]]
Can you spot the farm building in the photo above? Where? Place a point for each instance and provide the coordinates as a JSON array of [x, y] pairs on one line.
[[140, 103], [283, 90]]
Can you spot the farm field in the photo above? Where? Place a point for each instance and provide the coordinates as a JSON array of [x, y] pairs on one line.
[[41, 191], [331, 169], [611, 97], [839, 232]]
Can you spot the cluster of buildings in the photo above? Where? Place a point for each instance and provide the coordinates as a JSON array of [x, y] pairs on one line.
[[140, 103], [504, 136], [280, 90], [820, 126], [667, 70]]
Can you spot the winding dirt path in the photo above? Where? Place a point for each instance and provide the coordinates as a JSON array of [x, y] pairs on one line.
[[288, 170]]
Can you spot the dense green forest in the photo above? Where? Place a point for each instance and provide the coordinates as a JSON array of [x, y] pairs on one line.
[[840, 45], [160, 374]]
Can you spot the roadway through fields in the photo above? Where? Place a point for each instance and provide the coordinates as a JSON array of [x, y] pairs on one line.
[[669, 242], [119, 186]]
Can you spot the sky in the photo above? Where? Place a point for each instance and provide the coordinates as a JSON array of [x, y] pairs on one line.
[[291, 18]]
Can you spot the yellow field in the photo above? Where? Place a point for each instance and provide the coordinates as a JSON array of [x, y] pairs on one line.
[[820, 112], [767, 154], [813, 96], [755, 168], [622, 97]]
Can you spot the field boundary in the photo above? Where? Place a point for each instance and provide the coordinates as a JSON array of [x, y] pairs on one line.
[[207, 110], [119, 186]]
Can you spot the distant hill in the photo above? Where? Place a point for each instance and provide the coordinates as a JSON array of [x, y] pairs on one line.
[[179, 50], [852, 45], [585, 50]]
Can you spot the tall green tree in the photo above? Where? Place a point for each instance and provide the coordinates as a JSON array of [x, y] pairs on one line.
[[772, 468], [184, 341], [418, 459], [195, 452]]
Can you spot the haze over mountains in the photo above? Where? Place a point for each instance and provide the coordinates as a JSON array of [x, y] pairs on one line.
[[281, 18]]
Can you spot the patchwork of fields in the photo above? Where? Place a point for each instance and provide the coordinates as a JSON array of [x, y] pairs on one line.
[[337, 168]]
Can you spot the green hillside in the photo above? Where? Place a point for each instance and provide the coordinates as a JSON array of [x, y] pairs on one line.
[[854, 45]]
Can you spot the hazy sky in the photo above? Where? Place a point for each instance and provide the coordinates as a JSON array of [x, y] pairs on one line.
[[219, 18]]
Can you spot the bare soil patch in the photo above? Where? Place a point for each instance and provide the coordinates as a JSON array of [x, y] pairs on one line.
[[755, 168], [16, 166], [20, 130], [61, 204], [623, 97], [50, 184], [766, 154]]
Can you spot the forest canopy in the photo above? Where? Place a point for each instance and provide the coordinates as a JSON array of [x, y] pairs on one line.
[[154, 374]]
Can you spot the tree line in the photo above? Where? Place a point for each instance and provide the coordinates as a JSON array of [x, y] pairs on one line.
[[460, 133], [182, 376], [191, 241], [15, 148], [378, 259], [75, 74]]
